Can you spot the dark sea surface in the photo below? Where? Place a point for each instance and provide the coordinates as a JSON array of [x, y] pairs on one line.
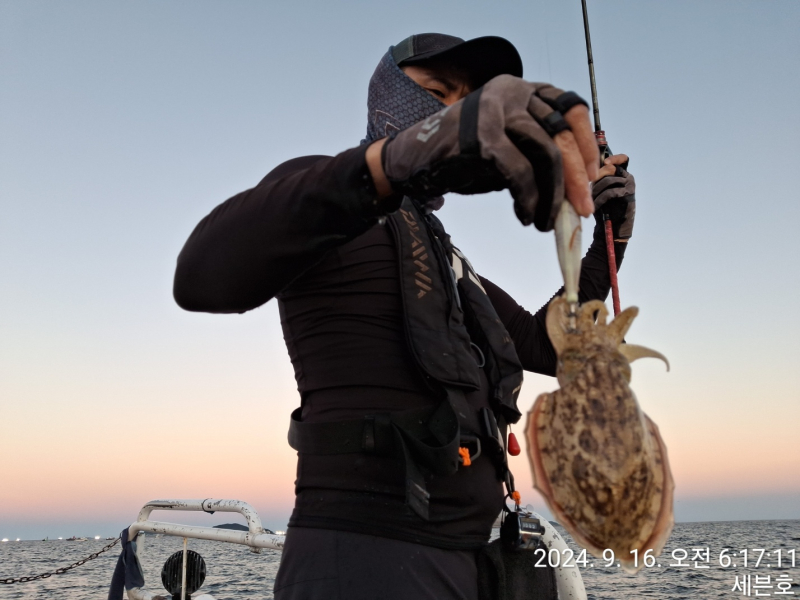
[[234, 572]]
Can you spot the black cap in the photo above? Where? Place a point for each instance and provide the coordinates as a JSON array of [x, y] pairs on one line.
[[483, 57]]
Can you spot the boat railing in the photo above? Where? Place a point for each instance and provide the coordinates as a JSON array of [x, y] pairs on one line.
[[255, 537]]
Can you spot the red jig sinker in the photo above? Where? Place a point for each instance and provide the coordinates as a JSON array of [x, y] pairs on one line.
[[513, 445]]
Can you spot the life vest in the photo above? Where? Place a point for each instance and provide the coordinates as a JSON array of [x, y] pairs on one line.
[[448, 320], [441, 294]]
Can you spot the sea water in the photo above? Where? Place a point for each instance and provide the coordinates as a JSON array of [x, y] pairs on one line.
[[235, 572]]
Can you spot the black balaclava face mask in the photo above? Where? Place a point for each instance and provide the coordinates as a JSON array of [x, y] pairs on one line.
[[394, 103]]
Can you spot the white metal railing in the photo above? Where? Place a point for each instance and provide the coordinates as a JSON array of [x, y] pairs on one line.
[[255, 537]]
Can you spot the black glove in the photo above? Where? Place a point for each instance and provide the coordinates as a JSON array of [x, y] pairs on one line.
[[499, 136], [615, 196]]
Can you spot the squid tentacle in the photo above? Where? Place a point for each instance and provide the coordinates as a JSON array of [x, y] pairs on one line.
[[633, 352], [621, 323]]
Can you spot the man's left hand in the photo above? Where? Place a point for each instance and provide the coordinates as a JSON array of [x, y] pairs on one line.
[[614, 194]]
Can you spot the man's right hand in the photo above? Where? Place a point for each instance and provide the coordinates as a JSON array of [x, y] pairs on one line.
[[508, 134]]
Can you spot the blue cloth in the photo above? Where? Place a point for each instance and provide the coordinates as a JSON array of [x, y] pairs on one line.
[[128, 572]]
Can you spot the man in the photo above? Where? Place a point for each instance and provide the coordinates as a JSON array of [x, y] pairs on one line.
[[408, 363]]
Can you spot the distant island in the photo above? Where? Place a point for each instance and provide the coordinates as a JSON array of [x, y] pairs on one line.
[[239, 527]]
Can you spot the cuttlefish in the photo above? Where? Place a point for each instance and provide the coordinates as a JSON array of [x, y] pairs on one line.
[[597, 459]]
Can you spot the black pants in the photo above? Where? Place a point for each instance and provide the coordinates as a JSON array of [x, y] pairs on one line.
[[322, 564]]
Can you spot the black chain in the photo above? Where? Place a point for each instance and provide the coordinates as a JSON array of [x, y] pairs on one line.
[[61, 570]]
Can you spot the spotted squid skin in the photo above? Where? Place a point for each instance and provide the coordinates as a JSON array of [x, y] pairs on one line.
[[597, 459]]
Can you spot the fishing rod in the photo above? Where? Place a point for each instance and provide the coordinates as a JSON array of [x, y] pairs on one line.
[[605, 152]]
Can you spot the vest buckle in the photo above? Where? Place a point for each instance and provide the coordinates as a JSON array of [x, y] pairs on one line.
[[466, 457]]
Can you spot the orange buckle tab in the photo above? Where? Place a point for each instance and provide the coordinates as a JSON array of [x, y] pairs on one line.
[[464, 454], [516, 497]]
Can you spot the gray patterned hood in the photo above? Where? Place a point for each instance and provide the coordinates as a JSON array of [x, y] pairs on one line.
[[394, 101]]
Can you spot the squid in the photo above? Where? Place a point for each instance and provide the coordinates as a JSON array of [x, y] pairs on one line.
[[600, 462]]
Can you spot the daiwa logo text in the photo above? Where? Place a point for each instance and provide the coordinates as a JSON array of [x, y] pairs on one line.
[[431, 125]]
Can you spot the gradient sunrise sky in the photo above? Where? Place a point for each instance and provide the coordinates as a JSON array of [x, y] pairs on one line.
[[123, 124]]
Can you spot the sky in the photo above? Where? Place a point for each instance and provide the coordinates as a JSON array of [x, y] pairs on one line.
[[123, 124]]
